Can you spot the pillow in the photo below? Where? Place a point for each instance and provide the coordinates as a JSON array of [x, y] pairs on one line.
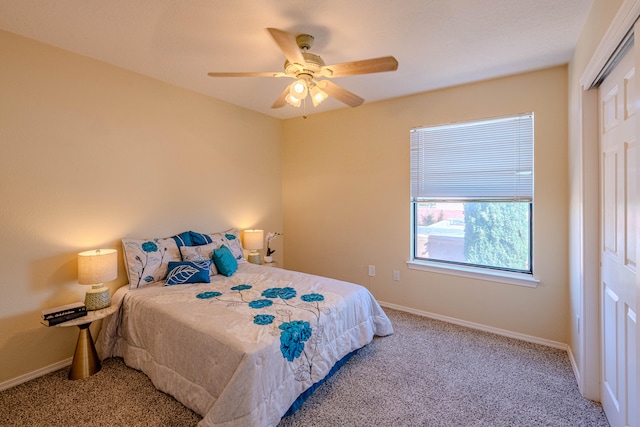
[[233, 242], [202, 239], [200, 253], [147, 259], [229, 238], [183, 239], [181, 272], [225, 261]]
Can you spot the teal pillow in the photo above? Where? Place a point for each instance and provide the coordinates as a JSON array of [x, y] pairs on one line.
[[225, 261], [181, 272]]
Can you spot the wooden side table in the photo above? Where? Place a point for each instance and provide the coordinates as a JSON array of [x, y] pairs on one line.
[[85, 359]]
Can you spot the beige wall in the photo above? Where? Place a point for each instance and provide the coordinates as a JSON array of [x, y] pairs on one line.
[[346, 201], [584, 162], [89, 154]]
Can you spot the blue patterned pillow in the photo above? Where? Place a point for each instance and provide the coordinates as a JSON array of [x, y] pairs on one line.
[[147, 259], [225, 261], [183, 239], [199, 239], [188, 272]]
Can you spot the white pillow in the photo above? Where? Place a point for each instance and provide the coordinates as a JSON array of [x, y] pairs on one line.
[[200, 253], [147, 260], [229, 238]]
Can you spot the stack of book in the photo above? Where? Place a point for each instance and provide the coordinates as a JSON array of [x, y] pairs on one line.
[[55, 315]]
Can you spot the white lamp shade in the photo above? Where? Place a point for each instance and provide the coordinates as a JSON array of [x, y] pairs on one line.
[[97, 266], [253, 239]]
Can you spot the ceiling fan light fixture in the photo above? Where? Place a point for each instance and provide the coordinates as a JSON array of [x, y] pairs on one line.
[[317, 95], [308, 69], [293, 100], [298, 89]]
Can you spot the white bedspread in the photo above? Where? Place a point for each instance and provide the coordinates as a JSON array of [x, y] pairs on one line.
[[240, 350]]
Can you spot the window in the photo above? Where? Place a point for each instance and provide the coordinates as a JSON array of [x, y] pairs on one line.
[[472, 193]]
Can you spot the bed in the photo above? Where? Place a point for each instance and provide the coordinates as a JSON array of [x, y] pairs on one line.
[[238, 349]]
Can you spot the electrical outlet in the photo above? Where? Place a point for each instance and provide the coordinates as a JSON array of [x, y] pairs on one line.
[[372, 270], [396, 275]]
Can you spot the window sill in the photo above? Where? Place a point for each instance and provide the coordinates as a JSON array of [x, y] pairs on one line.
[[476, 273]]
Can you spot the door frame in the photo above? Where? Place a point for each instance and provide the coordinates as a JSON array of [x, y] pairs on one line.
[[589, 200]]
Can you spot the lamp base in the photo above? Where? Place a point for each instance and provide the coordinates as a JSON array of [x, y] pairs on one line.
[[254, 258], [97, 297]]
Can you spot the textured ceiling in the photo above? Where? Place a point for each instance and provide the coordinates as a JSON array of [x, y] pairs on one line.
[[438, 43]]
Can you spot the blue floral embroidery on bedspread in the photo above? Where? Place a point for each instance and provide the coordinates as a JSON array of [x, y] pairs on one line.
[[263, 319], [295, 334], [207, 295], [284, 293], [261, 303]]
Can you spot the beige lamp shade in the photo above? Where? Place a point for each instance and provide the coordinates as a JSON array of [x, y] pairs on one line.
[[97, 266], [253, 239], [94, 268]]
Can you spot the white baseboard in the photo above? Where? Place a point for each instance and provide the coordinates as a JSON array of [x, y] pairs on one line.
[[478, 326], [35, 374], [576, 371]]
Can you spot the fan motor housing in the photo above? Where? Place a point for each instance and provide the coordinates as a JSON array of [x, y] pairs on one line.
[[313, 65], [305, 41]]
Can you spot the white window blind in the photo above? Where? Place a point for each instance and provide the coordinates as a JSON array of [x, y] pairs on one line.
[[474, 161]]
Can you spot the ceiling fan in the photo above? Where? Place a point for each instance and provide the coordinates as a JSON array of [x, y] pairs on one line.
[[311, 74]]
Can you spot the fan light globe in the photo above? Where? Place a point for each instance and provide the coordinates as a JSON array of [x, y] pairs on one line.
[[298, 89], [317, 95], [293, 100]]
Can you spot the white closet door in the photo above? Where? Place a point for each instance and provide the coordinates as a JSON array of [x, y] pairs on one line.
[[619, 233]]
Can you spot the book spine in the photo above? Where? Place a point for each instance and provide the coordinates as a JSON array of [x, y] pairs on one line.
[[61, 319], [71, 306], [64, 313]]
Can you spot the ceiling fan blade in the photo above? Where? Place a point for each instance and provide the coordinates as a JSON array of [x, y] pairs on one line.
[[265, 74], [366, 66], [288, 45], [281, 101], [340, 93]]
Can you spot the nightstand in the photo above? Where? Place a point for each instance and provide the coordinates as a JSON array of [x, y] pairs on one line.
[[275, 264], [85, 360]]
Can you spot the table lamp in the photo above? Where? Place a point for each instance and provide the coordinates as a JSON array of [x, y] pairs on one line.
[[94, 268], [253, 240]]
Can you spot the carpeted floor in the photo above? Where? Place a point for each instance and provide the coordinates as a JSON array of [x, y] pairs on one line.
[[429, 373]]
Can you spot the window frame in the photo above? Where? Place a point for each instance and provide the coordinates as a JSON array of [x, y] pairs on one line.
[[483, 272]]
